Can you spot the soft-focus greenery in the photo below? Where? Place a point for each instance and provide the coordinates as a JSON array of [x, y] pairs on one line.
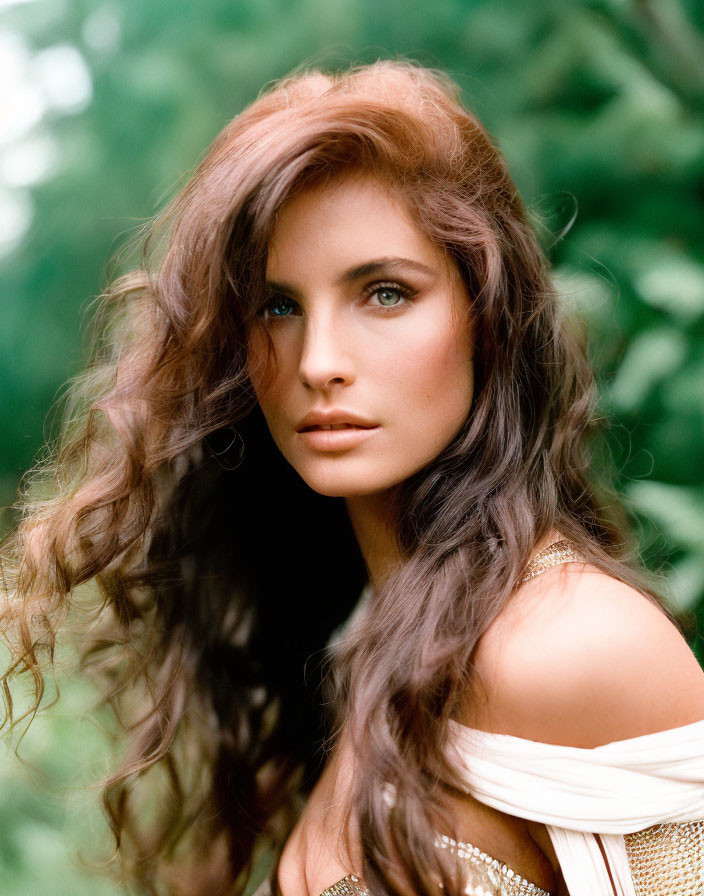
[[52, 836], [598, 108]]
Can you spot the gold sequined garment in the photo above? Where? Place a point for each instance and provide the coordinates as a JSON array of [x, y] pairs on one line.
[[487, 876], [348, 886], [667, 859], [553, 555]]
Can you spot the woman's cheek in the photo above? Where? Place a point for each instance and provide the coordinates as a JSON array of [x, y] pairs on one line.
[[442, 377]]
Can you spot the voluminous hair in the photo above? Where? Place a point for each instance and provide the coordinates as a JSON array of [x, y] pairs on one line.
[[221, 576]]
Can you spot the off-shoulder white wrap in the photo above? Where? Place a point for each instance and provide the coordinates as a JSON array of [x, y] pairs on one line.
[[579, 794]]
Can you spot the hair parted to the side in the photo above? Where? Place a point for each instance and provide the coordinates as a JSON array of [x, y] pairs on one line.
[[167, 491]]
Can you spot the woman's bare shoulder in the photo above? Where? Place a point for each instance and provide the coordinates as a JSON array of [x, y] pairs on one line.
[[580, 658]]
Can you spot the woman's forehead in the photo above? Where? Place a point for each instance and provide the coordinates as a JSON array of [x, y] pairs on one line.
[[348, 221]]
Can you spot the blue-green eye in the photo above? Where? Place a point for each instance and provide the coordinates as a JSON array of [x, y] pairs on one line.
[[277, 307], [389, 296]]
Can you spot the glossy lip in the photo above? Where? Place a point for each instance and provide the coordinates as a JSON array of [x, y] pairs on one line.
[[336, 439], [332, 416]]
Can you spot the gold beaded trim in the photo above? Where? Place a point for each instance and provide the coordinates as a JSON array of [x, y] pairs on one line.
[[493, 872], [554, 555], [348, 886]]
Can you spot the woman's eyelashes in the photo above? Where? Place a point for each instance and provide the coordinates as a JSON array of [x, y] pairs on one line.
[[382, 295], [390, 295], [276, 307]]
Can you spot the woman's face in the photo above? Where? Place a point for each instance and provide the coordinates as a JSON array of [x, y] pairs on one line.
[[370, 326]]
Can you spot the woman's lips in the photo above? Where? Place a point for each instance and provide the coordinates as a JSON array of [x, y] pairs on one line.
[[336, 436]]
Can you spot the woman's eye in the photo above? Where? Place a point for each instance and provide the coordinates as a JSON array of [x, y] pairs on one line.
[[277, 307], [389, 296]]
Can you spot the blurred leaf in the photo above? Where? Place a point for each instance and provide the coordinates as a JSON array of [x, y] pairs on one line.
[[678, 510], [674, 283], [650, 357]]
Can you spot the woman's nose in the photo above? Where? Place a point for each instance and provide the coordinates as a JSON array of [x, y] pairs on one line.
[[325, 356]]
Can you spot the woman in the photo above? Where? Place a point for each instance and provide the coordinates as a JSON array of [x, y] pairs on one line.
[[343, 362]]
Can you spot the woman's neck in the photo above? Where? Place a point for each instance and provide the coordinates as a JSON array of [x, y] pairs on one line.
[[372, 521]]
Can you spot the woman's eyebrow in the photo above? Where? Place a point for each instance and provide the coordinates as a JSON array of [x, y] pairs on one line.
[[366, 269], [369, 268]]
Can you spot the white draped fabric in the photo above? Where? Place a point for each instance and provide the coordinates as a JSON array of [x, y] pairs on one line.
[[579, 794]]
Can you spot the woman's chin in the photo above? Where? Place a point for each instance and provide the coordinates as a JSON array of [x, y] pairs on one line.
[[346, 486]]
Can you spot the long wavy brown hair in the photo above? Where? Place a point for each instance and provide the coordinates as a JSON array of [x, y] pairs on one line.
[[222, 576]]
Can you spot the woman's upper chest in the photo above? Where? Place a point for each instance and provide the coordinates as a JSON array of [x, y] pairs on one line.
[[323, 847]]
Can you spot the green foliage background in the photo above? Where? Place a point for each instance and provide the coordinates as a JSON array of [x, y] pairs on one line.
[[598, 109]]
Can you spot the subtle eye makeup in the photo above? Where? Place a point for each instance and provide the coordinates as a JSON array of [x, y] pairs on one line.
[[389, 294], [275, 307], [388, 290]]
